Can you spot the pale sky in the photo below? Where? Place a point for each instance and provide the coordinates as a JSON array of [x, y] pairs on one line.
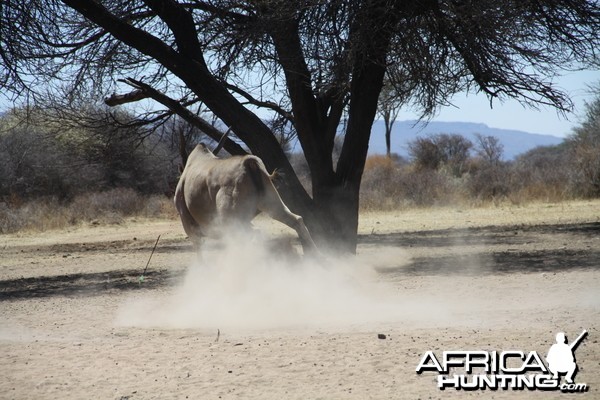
[[509, 115], [512, 115]]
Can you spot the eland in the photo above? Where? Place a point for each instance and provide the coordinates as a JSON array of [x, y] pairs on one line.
[[214, 193]]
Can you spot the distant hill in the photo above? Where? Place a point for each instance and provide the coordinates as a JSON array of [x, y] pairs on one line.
[[403, 132]]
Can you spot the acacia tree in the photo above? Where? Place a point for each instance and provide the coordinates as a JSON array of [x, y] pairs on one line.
[[388, 109], [314, 63]]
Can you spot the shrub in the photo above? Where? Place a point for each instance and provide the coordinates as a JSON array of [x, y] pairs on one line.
[[387, 184], [39, 159], [489, 176], [450, 152], [584, 150], [380, 189], [489, 181], [40, 214], [544, 173]]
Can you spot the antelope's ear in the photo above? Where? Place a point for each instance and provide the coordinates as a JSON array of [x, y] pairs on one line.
[[277, 175], [202, 147]]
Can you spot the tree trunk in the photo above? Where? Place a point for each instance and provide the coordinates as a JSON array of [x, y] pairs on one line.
[[336, 197], [336, 213], [389, 117], [388, 134]]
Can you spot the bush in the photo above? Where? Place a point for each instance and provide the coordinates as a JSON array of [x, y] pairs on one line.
[[544, 173], [38, 159], [379, 189], [426, 187], [388, 184], [584, 145], [450, 152], [489, 181], [40, 214]]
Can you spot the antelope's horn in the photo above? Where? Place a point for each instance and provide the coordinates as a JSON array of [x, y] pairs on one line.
[[221, 142]]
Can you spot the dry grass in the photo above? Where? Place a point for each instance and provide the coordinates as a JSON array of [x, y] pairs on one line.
[[500, 214], [388, 185], [108, 207]]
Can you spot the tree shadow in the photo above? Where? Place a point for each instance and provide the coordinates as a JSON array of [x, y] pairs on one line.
[[86, 284], [549, 261], [442, 238], [499, 262], [514, 260], [114, 246], [507, 235]]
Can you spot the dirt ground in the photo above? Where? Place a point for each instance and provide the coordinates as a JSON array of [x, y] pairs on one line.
[[77, 322]]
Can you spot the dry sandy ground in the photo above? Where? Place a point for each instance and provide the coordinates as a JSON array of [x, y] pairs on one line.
[[77, 323]]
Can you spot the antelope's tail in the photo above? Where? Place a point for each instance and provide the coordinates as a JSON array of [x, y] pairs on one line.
[[256, 172]]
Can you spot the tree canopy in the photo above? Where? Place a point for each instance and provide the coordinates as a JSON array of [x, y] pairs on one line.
[[316, 65]]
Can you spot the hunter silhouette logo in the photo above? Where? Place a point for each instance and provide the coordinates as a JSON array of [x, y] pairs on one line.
[[507, 370], [561, 358]]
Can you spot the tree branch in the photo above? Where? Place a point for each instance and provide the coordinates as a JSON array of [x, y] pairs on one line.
[[219, 12], [180, 22], [309, 118], [144, 91], [260, 103], [119, 99]]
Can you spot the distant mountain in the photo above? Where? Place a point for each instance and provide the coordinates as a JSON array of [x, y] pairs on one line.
[[403, 132]]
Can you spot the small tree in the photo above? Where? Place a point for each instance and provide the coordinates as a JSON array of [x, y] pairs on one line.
[[425, 154], [388, 109], [490, 177], [450, 151], [585, 148], [489, 149]]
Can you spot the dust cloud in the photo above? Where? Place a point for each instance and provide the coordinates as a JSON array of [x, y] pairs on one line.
[[257, 284]]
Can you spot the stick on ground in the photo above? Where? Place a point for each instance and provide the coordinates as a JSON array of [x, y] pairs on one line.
[[149, 258]]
